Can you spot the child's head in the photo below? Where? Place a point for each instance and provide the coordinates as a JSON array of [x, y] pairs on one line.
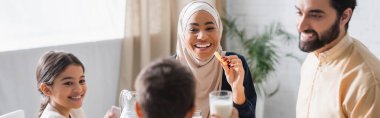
[[61, 81], [165, 89]]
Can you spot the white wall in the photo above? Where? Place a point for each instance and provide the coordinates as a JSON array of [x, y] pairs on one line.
[[101, 59], [253, 15]]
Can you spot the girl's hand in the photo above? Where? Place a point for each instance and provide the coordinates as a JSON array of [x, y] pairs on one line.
[[113, 112]]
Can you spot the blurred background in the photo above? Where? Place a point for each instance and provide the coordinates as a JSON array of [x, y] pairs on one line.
[[116, 38]]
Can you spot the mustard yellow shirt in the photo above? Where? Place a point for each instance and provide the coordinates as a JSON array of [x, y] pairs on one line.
[[342, 82]]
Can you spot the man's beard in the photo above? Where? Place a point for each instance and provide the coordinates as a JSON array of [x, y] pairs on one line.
[[326, 38]]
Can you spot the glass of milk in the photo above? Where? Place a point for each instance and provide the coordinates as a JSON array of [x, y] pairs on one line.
[[221, 103]]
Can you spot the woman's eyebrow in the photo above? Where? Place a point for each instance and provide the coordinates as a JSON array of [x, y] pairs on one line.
[[209, 22], [196, 24], [206, 23]]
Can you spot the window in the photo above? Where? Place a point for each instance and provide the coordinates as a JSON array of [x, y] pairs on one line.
[[38, 23]]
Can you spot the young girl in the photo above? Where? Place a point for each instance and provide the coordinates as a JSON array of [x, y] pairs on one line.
[[61, 81]]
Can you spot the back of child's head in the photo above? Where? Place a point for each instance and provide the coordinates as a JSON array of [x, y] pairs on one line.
[[50, 65], [165, 89]]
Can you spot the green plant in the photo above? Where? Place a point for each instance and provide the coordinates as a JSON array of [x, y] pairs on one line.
[[260, 50]]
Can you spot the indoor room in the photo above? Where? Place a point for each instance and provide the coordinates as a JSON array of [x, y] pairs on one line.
[[116, 39]]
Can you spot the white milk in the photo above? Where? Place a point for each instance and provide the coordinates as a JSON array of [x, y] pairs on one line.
[[222, 108]]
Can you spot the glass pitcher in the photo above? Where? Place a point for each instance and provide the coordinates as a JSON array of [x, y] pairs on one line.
[[127, 103]]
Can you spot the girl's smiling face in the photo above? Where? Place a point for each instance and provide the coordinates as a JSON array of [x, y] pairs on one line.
[[68, 88]]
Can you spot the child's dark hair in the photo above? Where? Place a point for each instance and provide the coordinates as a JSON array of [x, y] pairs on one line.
[[165, 89], [50, 65]]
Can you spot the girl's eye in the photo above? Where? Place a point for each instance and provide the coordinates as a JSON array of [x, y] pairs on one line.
[[82, 81], [68, 83]]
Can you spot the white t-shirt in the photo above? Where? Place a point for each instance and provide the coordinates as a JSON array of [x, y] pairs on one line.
[[51, 112]]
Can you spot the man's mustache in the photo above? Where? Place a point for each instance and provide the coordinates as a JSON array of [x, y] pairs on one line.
[[310, 31]]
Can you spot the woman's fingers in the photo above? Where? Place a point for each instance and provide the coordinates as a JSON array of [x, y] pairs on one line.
[[233, 61], [236, 65], [225, 66], [232, 64]]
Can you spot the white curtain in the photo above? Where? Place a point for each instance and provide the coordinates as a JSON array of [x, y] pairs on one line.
[[150, 33]]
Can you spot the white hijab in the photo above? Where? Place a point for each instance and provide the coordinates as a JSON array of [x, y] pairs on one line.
[[208, 73]]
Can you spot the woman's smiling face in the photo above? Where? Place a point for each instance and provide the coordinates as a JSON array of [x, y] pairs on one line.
[[202, 35]]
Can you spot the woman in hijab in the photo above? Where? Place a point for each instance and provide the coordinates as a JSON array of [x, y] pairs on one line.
[[199, 34]]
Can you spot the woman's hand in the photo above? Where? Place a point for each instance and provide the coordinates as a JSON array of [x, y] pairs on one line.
[[234, 72]]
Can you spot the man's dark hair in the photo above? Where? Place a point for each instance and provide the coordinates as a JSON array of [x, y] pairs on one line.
[[341, 5], [165, 89]]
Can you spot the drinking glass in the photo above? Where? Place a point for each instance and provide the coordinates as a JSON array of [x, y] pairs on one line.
[[221, 103]]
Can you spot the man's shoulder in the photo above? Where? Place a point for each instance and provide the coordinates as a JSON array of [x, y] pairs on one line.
[[362, 66], [364, 58]]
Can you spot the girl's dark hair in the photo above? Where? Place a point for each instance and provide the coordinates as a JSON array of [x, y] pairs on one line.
[[50, 65]]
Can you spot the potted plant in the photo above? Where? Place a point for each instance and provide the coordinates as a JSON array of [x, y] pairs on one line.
[[261, 54], [260, 50]]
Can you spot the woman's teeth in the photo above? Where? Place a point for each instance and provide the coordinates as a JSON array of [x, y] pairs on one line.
[[203, 45]]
